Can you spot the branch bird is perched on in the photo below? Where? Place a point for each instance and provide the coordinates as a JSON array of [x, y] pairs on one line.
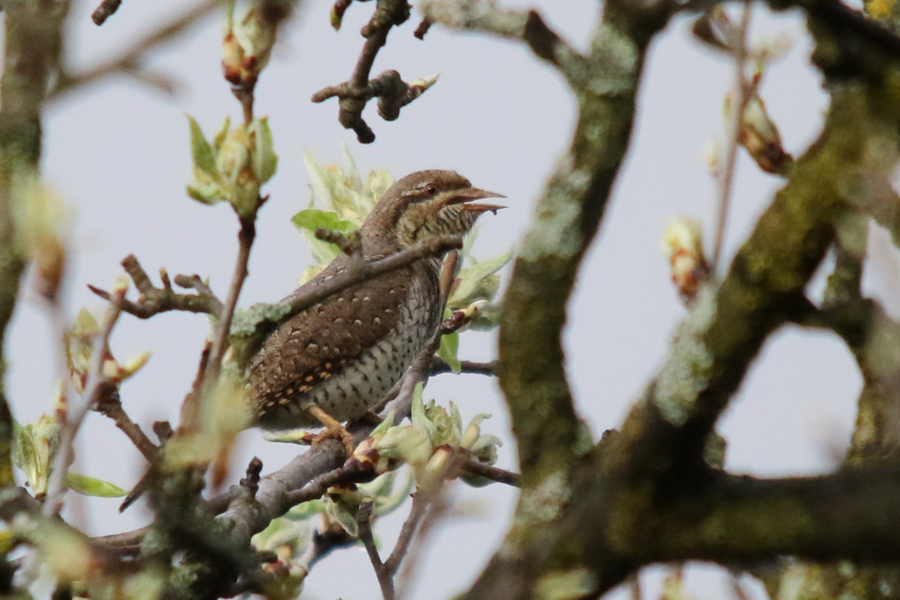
[[334, 361]]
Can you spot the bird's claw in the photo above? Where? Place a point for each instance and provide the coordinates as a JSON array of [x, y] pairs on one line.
[[333, 430], [338, 433]]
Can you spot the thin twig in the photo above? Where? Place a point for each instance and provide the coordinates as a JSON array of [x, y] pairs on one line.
[[317, 487], [106, 9], [124, 541], [350, 244], [438, 508], [245, 96], [111, 406], [96, 382], [194, 282], [155, 300], [726, 180], [422, 29], [191, 411], [489, 472], [364, 523], [418, 511], [393, 93], [129, 61], [439, 366]]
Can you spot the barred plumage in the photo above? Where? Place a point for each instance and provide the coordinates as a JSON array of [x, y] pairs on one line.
[[346, 352]]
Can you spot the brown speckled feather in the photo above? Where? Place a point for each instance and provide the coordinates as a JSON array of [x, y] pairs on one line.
[[346, 352], [318, 343]]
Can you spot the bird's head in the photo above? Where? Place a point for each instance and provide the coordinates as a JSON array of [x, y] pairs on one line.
[[427, 203]]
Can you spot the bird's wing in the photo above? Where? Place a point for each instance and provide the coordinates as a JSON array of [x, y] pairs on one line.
[[318, 342]]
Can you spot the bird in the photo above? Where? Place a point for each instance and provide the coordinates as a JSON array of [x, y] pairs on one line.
[[334, 361]]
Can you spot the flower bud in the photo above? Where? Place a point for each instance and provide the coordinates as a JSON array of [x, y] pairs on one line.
[[232, 59], [110, 368], [235, 164], [431, 476], [407, 443], [683, 245], [135, 364], [420, 86], [247, 46], [759, 136]]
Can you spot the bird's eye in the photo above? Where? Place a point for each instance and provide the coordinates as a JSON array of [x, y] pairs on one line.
[[431, 189]]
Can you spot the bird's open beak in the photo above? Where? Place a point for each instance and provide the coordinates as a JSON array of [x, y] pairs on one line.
[[469, 194]]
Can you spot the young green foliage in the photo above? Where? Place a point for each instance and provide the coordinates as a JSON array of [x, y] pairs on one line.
[[339, 201], [233, 165], [34, 448]]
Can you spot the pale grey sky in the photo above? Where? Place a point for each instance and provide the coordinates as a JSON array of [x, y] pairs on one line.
[[118, 152]]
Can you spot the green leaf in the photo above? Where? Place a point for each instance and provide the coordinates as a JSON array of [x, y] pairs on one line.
[[378, 486], [313, 218], [386, 424], [342, 514], [323, 252], [377, 184], [265, 161], [88, 486], [34, 448], [321, 182], [351, 173], [488, 317], [85, 323], [207, 193], [221, 134], [418, 417], [202, 153], [449, 349], [23, 451], [457, 421], [477, 283], [307, 510], [393, 496]]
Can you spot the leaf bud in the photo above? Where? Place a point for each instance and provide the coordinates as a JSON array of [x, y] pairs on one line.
[[682, 244], [759, 136]]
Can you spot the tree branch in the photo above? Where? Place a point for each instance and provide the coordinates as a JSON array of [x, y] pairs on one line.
[[393, 93], [420, 503], [110, 406], [154, 300], [848, 515], [439, 366], [741, 97], [97, 382], [32, 43], [190, 410], [129, 62], [765, 283], [568, 215], [528, 27], [106, 9], [496, 474], [385, 578]]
